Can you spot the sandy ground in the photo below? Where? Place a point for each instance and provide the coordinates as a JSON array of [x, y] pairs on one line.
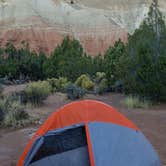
[[151, 121], [8, 90]]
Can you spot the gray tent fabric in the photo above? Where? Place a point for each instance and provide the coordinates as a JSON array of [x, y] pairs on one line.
[[67, 147], [33, 150], [60, 142], [76, 157]]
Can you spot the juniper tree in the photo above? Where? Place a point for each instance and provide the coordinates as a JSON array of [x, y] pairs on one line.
[[144, 69]]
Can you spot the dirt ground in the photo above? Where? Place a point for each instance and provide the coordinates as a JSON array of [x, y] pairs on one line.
[[151, 121]]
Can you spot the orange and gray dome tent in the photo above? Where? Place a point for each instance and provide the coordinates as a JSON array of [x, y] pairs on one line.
[[88, 133]]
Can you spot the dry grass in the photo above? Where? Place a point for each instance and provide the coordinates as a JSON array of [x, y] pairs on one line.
[[135, 102]]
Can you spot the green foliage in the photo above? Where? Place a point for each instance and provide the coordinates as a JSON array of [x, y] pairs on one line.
[[1, 90], [100, 76], [12, 113], [16, 63], [49, 68], [101, 87], [111, 62], [98, 65], [101, 83], [143, 70], [36, 92], [16, 117], [53, 84], [138, 67], [1, 110], [74, 92], [59, 84], [135, 102], [67, 60], [84, 82]]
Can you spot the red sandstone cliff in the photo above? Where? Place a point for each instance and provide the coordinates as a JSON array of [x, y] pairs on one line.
[[44, 24]]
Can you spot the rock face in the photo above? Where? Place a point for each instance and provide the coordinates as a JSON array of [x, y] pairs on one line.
[[96, 24]]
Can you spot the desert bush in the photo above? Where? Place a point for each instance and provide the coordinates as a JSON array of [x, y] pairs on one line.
[[36, 92], [1, 116], [101, 87], [1, 90], [15, 116], [12, 113], [74, 92], [1, 110], [118, 86], [101, 83], [4, 107], [59, 84], [84, 82], [5, 80], [135, 102], [52, 82], [100, 76]]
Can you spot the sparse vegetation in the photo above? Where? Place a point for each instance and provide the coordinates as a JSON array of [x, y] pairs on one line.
[[12, 114], [136, 102], [84, 82], [36, 92], [74, 92], [1, 110], [101, 83], [99, 77], [53, 82], [1, 90], [101, 87], [59, 84]]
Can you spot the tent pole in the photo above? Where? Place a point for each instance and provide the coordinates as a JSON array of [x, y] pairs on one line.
[[90, 150]]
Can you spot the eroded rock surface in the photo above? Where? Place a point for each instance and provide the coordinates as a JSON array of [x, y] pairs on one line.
[[95, 23]]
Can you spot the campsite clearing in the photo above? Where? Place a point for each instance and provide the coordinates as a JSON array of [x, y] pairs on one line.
[[151, 121]]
